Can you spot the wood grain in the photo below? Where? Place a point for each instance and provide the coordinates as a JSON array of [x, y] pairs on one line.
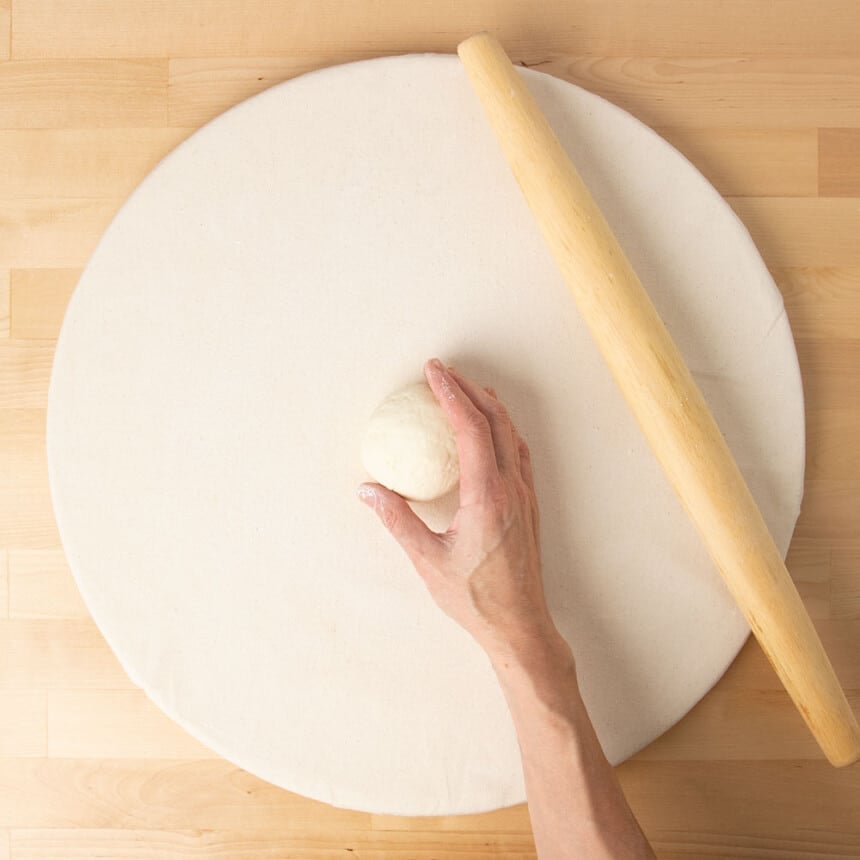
[[737, 719], [40, 585], [822, 303], [5, 300], [23, 723], [803, 232], [845, 583], [52, 233], [5, 46], [689, 808], [764, 98], [4, 583], [757, 162], [37, 301], [731, 91], [200, 88], [49, 655], [25, 368], [58, 163], [99, 28], [206, 794], [839, 161], [830, 510], [240, 845], [830, 450], [26, 515], [91, 29], [114, 724], [696, 809], [83, 93], [714, 93], [833, 364]]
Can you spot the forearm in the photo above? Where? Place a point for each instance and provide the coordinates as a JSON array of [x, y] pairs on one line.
[[485, 572], [576, 804]]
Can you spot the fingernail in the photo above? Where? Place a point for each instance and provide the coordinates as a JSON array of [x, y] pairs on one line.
[[367, 494], [445, 378]]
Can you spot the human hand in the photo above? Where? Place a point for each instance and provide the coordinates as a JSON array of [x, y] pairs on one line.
[[484, 571]]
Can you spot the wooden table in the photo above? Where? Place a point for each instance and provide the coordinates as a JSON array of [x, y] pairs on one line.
[[764, 97]]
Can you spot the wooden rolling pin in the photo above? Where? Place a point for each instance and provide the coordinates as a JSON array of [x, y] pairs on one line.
[[663, 397]]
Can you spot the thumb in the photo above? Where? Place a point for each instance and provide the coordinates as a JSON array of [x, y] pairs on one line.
[[407, 528]]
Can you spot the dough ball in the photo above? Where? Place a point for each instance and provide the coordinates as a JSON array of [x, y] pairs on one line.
[[409, 445]]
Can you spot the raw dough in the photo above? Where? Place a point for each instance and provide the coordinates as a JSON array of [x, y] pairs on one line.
[[409, 445]]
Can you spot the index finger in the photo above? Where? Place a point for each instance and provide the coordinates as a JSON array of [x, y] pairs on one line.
[[478, 466]]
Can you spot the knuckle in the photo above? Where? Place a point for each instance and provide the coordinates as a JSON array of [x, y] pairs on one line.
[[478, 424], [390, 517], [497, 498], [495, 489], [523, 494], [500, 411]]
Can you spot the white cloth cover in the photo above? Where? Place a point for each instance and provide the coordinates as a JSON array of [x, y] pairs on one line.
[[273, 279]]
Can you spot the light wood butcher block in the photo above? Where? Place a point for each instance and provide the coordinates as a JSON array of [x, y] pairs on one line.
[[764, 98]]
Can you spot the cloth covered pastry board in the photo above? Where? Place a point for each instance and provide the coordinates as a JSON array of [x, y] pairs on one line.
[[266, 286]]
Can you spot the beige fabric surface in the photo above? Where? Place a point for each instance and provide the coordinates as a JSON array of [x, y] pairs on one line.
[[275, 277]]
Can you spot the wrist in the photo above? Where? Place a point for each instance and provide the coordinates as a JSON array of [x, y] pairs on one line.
[[535, 660], [540, 685]]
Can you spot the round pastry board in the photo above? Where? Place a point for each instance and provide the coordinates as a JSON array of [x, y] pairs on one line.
[[269, 282]]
